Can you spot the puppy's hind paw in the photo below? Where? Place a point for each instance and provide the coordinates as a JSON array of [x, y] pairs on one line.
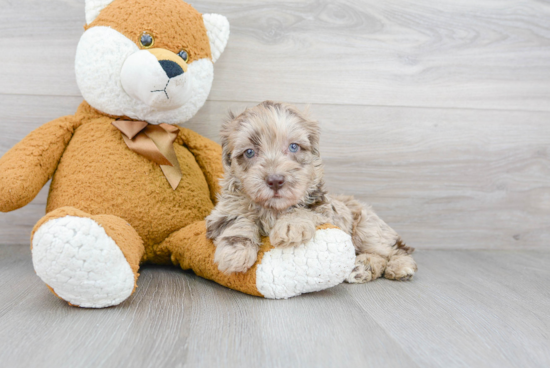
[[368, 267], [401, 268], [287, 233], [235, 254]]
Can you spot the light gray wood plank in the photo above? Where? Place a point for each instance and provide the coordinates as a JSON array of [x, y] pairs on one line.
[[491, 54], [468, 309], [39, 330], [444, 178], [325, 329], [464, 308], [176, 319]]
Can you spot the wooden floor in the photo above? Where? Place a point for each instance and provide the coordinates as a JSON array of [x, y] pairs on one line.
[[436, 112], [464, 309]]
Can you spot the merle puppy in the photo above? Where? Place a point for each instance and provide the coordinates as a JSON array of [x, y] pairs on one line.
[[273, 186]]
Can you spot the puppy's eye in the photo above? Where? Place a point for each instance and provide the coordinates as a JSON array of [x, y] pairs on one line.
[[293, 148], [146, 40], [183, 54], [249, 153]]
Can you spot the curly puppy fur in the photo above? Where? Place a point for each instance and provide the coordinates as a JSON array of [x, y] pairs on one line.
[[273, 186]]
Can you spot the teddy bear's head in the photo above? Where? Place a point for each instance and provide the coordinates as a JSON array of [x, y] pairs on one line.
[[149, 60]]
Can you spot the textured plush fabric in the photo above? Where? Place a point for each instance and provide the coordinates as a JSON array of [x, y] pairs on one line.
[[106, 61], [89, 261], [118, 229], [174, 25], [217, 29], [324, 261], [208, 156], [94, 7], [191, 250], [98, 174], [117, 75], [100, 179], [110, 209], [26, 167]]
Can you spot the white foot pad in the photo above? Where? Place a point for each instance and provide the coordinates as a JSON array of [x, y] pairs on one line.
[[83, 265], [320, 264]]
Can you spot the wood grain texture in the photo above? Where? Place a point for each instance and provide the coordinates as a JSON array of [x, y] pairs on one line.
[[468, 309], [443, 178], [177, 320], [464, 309], [431, 53], [436, 112]]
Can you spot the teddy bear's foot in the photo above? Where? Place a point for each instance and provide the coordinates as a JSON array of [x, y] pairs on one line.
[[279, 273], [80, 263], [323, 262]]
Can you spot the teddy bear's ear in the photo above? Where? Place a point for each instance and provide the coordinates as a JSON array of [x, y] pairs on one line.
[[217, 28], [93, 7]]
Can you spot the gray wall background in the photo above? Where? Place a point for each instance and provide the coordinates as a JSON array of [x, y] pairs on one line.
[[437, 113]]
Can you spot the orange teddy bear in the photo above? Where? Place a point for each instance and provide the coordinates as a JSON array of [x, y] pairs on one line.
[[128, 185]]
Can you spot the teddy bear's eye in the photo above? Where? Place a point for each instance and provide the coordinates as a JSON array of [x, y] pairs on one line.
[[146, 40], [293, 147], [183, 54], [249, 153]]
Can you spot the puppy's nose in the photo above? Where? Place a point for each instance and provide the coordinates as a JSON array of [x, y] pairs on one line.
[[171, 68], [275, 182]]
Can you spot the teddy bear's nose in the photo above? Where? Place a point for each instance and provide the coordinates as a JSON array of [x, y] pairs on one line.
[[171, 68]]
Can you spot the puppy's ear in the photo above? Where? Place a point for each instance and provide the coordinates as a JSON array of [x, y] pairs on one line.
[[224, 136], [314, 136], [226, 158], [312, 127]]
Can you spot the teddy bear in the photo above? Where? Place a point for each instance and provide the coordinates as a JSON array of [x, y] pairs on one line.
[[129, 185]]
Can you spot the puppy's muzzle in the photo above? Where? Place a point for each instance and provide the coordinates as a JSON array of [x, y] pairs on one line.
[[275, 182]]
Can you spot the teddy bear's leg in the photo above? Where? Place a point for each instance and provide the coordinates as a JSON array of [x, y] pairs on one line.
[[279, 273], [88, 261]]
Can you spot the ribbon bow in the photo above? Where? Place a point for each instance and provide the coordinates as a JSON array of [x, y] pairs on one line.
[[154, 142]]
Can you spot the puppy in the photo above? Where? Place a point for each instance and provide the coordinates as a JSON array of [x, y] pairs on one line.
[[273, 186]]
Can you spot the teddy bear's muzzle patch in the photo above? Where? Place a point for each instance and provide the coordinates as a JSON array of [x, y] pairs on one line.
[[156, 77]]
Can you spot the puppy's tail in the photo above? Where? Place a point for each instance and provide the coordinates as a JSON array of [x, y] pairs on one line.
[[400, 245]]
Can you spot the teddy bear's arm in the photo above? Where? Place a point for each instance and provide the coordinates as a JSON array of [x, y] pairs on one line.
[[28, 165], [209, 157]]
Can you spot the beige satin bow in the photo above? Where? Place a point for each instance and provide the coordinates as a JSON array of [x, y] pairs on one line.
[[154, 142]]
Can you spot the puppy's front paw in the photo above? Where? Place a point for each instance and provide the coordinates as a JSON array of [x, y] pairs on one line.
[[288, 233], [235, 254]]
